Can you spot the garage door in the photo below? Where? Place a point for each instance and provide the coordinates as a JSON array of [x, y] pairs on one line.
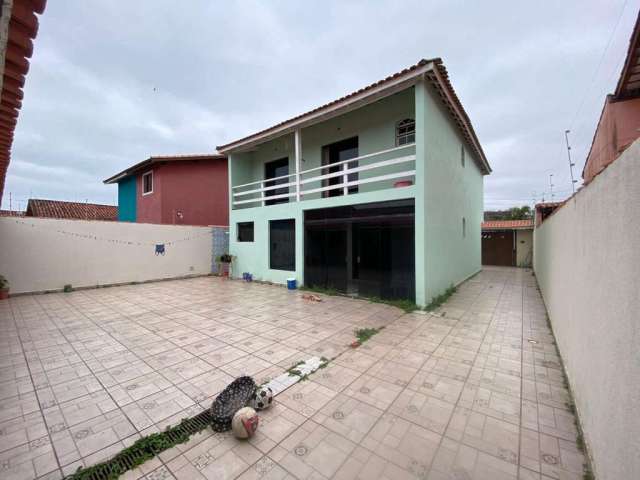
[[498, 248]]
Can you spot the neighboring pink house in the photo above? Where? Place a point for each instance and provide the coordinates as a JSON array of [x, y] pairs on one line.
[[619, 124], [176, 190]]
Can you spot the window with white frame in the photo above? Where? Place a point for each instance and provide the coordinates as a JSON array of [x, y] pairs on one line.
[[405, 132], [147, 183]]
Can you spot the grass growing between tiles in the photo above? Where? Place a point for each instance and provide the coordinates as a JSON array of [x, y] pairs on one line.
[[332, 292], [294, 370], [144, 449], [364, 334], [148, 447], [440, 299], [403, 304]]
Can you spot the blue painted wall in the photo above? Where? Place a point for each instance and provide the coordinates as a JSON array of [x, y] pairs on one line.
[[127, 199]]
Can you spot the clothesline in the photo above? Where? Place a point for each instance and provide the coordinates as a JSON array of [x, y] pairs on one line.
[[85, 236]]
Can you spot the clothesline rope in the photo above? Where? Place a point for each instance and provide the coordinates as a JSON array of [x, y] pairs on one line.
[[85, 236]]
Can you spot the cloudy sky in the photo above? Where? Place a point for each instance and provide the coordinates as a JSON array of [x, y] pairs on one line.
[[113, 82]]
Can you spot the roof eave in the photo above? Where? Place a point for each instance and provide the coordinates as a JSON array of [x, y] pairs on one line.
[[159, 159], [429, 70], [333, 110]]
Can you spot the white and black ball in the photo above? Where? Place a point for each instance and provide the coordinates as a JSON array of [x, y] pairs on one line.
[[262, 398]]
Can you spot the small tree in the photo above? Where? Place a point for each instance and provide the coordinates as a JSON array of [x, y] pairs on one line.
[[519, 213]]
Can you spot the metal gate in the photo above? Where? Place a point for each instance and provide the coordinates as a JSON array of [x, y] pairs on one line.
[[499, 248]]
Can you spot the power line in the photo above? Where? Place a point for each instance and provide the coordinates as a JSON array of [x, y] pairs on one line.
[[597, 70], [578, 133]]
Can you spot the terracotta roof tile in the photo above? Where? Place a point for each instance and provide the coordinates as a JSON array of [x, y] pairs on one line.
[[507, 224], [11, 213], [71, 210], [21, 28], [439, 78]]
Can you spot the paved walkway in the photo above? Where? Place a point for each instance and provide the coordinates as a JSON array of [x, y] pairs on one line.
[[473, 392]]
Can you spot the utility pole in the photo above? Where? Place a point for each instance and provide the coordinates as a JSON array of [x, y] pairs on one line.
[[10, 209], [551, 185], [571, 164]]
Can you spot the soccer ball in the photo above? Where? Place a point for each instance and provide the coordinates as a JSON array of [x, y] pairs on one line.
[[262, 398], [244, 423]]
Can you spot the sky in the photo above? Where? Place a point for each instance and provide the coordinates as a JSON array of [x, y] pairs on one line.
[[113, 82]]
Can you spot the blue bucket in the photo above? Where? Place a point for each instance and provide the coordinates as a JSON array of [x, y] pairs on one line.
[[291, 283]]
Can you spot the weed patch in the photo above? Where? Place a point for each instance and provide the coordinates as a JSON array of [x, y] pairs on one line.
[[364, 334], [144, 449], [325, 291], [440, 299], [403, 304]]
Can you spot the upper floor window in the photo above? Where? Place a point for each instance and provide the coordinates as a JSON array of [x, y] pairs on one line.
[[462, 155], [405, 132], [276, 172], [147, 183]]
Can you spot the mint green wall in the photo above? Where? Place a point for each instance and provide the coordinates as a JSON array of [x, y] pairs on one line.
[[253, 257], [420, 255], [451, 192], [444, 191], [374, 125]]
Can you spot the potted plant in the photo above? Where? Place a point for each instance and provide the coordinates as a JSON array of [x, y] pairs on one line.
[[224, 262], [4, 288]]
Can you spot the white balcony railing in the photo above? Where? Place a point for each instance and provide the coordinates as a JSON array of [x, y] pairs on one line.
[[258, 192]]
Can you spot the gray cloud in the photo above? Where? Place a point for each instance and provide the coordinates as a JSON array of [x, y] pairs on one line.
[[112, 82]]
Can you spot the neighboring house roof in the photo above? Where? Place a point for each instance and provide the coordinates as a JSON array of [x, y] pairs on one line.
[[628, 87], [11, 213], [508, 225], [548, 204], [18, 28], [629, 81], [433, 70], [162, 159], [544, 210], [71, 210]]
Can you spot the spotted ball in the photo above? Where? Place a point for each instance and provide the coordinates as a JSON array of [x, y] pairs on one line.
[[262, 398]]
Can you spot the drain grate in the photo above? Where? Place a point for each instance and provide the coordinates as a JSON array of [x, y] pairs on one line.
[[144, 449]]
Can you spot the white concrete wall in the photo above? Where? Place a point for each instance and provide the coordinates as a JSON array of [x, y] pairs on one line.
[[587, 262], [38, 254], [524, 248]]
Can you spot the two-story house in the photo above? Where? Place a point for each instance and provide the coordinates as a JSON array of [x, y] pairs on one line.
[[378, 193]]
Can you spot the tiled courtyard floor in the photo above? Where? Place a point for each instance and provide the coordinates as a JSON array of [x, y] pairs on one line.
[[472, 392]]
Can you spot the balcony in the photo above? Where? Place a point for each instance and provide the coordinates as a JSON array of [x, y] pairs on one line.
[[374, 171]]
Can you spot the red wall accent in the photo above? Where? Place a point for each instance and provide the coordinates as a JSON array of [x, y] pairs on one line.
[[148, 207], [199, 190], [619, 127]]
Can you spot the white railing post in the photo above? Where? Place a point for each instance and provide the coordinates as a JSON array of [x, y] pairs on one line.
[[262, 193], [298, 152], [345, 179]]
